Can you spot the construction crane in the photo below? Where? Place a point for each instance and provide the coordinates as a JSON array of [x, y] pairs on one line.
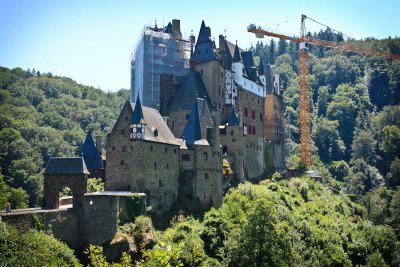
[[305, 138]]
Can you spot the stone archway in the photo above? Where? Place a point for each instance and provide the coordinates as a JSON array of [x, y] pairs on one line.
[[61, 172]]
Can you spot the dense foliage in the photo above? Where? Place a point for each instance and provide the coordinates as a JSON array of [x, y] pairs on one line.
[[42, 116], [355, 107], [33, 249], [297, 222]]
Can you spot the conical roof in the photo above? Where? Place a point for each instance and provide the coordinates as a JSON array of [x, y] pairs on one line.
[[137, 115], [90, 153], [236, 54]]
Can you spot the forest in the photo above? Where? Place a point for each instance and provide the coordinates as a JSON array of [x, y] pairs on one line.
[[349, 218]]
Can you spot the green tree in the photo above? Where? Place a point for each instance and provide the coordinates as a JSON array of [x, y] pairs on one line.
[[363, 147], [327, 140]]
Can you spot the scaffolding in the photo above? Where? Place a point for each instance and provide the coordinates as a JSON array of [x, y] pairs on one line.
[[157, 52]]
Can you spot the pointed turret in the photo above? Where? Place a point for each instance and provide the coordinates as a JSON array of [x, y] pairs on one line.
[[233, 119], [236, 54], [90, 153], [204, 50], [137, 114], [203, 34], [192, 131], [138, 123]]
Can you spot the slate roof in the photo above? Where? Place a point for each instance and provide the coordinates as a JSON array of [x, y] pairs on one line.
[[228, 57], [153, 120], [137, 115], [233, 119], [90, 153], [66, 166], [198, 122], [192, 88], [248, 63], [204, 50], [236, 54], [168, 28]]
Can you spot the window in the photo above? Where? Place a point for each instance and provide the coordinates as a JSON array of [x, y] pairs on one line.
[[185, 157], [123, 148], [205, 155], [232, 132], [175, 151], [167, 166], [245, 111], [151, 148], [254, 129], [126, 118], [166, 150], [131, 148], [122, 132], [160, 183], [258, 101], [219, 89], [187, 116], [261, 117], [155, 166], [113, 147], [222, 74], [206, 176], [253, 114], [122, 162], [244, 129], [201, 71]]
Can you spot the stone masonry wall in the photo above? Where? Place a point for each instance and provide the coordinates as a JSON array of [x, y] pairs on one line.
[[101, 218], [213, 76], [142, 166], [232, 140], [178, 122], [253, 143]]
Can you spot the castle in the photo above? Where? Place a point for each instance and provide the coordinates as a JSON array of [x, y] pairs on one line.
[[201, 104]]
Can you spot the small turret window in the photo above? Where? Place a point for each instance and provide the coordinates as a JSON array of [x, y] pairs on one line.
[[205, 155], [206, 176], [185, 157]]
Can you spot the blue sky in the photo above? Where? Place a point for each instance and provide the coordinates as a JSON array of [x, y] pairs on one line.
[[91, 41]]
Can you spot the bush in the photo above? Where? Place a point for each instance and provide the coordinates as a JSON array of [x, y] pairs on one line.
[[33, 249]]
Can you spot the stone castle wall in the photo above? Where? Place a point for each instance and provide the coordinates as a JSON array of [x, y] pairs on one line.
[[253, 143], [142, 166], [213, 76], [178, 121], [232, 142]]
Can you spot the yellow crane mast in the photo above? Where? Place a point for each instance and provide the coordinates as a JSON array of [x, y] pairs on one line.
[[305, 128]]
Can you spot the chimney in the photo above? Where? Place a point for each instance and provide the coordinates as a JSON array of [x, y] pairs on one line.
[[209, 31], [98, 144], [192, 39], [221, 43], [176, 29]]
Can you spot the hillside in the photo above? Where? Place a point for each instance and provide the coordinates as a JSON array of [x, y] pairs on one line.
[[42, 115], [297, 222]]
